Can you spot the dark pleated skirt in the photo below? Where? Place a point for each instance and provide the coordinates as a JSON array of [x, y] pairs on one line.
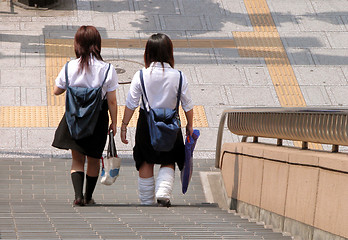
[[93, 145], [144, 152]]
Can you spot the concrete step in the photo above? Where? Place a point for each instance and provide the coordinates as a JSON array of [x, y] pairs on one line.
[[54, 220], [36, 203]]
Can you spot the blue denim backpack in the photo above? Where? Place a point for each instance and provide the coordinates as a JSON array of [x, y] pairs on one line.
[[82, 107], [164, 123]]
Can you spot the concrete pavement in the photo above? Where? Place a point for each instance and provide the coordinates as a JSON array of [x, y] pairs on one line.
[[279, 54]]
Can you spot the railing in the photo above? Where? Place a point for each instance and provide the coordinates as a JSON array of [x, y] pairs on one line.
[[326, 126]]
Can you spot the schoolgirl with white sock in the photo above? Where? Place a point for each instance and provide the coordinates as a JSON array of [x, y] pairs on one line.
[[161, 82]]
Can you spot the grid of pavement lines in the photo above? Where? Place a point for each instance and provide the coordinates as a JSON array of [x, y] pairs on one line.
[[235, 53]]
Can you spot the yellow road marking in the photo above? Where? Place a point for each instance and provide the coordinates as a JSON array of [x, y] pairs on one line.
[[21, 116], [265, 42], [50, 116]]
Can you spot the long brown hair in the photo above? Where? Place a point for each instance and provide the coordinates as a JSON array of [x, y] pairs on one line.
[[87, 42], [159, 48]]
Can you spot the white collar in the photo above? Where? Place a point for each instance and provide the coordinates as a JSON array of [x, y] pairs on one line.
[[159, 65]]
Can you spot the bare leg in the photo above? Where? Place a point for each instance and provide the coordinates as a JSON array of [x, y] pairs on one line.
[[78, 162], [172, 166], [146, 170], [93, 166]]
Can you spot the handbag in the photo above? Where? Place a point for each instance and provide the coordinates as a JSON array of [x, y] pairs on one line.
[[164, 123], [111, 164], [83, 106]]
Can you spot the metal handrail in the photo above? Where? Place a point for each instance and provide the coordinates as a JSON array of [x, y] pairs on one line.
[[317, 125]]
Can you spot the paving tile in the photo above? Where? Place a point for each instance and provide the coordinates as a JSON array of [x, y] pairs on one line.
[[172, 22], [307, 39], [224, 23], [337, 95], [298, 7], [158, 7], [329, 57], [321, 23], [125, 21], [316, 96], [332, 7], [338, 39], [10, 96], [286, 22], [320, 76], [213, 75], [302, 57], [262, 96]]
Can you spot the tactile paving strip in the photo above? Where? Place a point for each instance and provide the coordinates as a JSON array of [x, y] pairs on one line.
[[23, 116], [58, 52], [50, 116], [265, 42]]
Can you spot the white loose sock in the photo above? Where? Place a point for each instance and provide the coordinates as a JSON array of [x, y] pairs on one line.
[[146, 187], [164, 183]]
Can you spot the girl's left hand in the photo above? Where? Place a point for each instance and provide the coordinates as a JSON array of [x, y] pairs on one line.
[[113, 128]]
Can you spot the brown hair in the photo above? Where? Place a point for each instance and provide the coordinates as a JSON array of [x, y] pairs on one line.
[[159, 48], [87, 41]]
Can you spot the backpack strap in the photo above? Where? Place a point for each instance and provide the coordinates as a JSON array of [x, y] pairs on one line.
[[143, 87], [66, 74], [67, 78], [106, 75], [179, 93]]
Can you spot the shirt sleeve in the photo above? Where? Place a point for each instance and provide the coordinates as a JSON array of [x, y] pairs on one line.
[[111, 82], [60, 80], [134, 94], [186, 101]]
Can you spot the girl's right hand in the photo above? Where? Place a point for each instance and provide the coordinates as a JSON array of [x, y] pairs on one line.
[[189, 130], [124, 135]]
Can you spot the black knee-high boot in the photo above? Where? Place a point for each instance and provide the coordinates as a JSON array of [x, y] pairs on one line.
[[90, 186], [77, 180]]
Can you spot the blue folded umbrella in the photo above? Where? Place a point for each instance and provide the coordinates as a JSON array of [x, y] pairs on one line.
[[186, 172]]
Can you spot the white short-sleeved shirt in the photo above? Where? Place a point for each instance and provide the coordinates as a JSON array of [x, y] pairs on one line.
[[92, 78], [161, 86]]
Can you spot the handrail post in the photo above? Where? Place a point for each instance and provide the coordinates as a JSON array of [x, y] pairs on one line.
[[334, 148], [304, 145], [219, 138]]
